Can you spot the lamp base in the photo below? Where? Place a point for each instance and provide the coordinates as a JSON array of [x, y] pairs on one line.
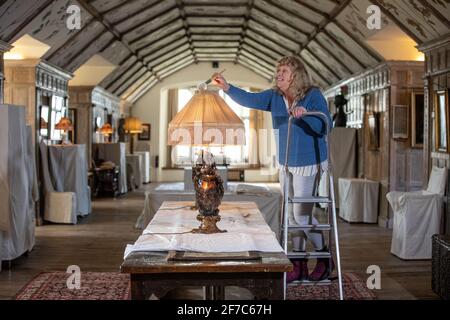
[[208, 225]]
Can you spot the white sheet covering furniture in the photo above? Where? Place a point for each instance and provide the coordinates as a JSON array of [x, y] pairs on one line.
[[170, 230], [145, 165], [343, 149], [59, 207], [68, 169], [18, 190], [417, 217], [267, 199], [359, 200], [114, 152], [134, 162]]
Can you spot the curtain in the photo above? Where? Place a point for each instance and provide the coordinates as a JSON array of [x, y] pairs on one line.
[[172, 103]]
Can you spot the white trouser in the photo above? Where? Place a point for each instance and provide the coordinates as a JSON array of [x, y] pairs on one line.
[[301, 186]]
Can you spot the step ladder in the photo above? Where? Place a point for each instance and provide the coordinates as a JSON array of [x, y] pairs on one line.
[[330, 226]]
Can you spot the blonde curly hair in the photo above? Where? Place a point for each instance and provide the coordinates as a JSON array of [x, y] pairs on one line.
[[302, 81]]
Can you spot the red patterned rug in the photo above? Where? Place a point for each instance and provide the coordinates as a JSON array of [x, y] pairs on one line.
[[354, 289], [93, 286], [116, 286]]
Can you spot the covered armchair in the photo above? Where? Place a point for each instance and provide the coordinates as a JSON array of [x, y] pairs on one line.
[[60, 207], [417, 217]]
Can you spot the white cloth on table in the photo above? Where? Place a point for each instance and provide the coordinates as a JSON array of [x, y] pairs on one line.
[[68, 167], [145, 165], [359, 200], [343, 151], [267, 200], [114, 152], [171, 226], [417, 217], [135, 162], [17, 233]]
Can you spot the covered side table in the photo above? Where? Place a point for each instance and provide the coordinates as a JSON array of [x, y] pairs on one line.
[[68, 168], [358, 200]]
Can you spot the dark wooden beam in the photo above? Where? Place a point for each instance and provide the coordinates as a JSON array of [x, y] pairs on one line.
[[345, 49], [28, 20], [273, 47], [125, 84], [162, 42], [323, 63], [69, 40], [117, 6], [139, 83], [359, 42], [168, 56], [163, 28], [278, 40], [436, 12], [176, 67], [119, 78], [396, 21], [279, 5], [255, 70], [92, 11], [317, 11], [332, 54], [155, 55], [328, 83], [180, 6], [248, 13], [145, 22]]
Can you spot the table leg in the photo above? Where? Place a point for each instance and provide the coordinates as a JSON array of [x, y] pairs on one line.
[[218, 293], [137, 290], [207, 293]]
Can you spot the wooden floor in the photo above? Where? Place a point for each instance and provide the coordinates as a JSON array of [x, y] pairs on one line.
[[97, 243]]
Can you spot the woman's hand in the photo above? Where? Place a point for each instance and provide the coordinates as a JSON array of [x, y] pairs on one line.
[[219, 81], [298, 112]]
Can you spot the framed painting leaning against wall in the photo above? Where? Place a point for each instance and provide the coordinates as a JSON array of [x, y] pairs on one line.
[[441, 116], [417, 117]]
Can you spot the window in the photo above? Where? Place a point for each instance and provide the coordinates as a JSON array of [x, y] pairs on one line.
[[236, 155]]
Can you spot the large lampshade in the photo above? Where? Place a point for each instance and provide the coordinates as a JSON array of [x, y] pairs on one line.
[[106, 129], [206, 120], [133, 125], [64, 124]]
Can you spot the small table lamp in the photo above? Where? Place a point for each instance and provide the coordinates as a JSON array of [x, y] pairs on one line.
[[206, 120], [106, 131], [132, 126], [65, 125]]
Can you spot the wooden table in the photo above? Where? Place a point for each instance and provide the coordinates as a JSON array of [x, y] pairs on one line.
[[152, 273]]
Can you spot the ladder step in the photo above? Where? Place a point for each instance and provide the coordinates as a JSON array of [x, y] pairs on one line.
[[308, 227], [310, 200], [311, 283], [308, 255]]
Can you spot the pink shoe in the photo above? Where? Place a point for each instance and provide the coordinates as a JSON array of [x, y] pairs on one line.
[[294, 274], [303, 275], [322, 271]]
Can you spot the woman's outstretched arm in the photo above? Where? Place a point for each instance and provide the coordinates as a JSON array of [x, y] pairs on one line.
[[259, 101]]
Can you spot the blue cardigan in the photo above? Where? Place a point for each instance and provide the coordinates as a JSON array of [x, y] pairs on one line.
[[308, 145]]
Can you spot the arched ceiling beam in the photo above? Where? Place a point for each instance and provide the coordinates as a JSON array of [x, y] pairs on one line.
[[89, 8]]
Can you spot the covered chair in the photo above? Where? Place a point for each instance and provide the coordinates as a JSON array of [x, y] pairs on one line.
[[60, 207], [417, 217]]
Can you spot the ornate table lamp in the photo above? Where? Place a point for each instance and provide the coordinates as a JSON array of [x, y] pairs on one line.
[[206, 121], [106, 130], [64, 125], [132, 126]]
